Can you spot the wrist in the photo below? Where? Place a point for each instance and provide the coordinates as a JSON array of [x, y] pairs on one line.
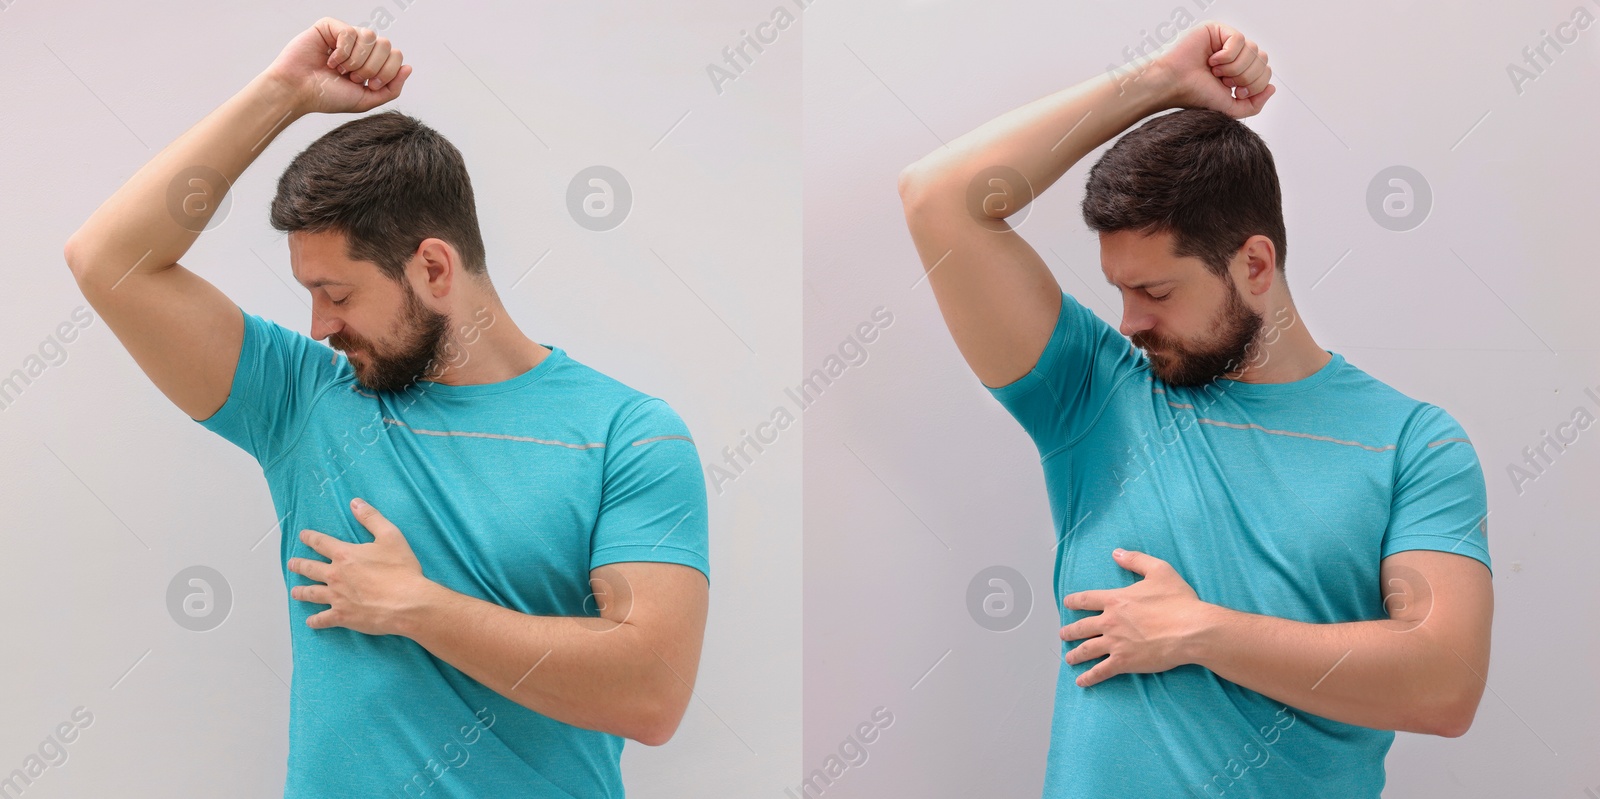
[[420, 606], [281, 94], [1157, 87], [1207, 625]]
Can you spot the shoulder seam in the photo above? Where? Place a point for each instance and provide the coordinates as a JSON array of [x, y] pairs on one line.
[[305, 422], [1099, 412]]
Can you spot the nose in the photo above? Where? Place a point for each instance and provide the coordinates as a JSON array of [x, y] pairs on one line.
[[1134, 320], [322, 325]]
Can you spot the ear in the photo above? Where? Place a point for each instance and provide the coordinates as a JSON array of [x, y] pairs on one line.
[[1257, 264]]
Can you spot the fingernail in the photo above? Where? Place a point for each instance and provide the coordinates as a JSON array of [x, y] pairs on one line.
[[1118, 553], [357, 504]]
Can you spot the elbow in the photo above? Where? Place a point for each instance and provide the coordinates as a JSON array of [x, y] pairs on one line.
[[658, 719], [1452, 715], [908, 179], [656, 736], [1451, 727], [1453, 722], [80, 258], [912, 187], [69, 253]]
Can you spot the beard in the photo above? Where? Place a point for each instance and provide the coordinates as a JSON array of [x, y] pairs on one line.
[[421, 337], [1237, 327]]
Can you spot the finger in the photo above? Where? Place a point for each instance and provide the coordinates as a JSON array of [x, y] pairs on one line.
[[374, 521], [344, 41], [366, 39], [1137, 562], [1253, 77], [317, 594], [324, 544], [1089, 650], [1082, 628], [329, 29], [1085, 600], [1102, 670], [372, 62], [1245, 59], [392, 90], [1227, 43], [374, 98], [391, 65], [318, 621], [1258, 84], [1258, 100], [311, 569], [399, 83]]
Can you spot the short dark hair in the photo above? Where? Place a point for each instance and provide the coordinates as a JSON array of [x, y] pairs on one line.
[[386, 181], [1198, 174]]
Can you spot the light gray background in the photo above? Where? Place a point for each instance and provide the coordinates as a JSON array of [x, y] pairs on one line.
[[916, 479], [109, 490]]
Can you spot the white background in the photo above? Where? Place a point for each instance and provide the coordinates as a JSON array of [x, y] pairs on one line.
[[109, 490], [916, 479]]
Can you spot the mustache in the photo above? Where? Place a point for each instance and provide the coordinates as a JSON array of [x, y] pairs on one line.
[[1144, 341], [345, 345]]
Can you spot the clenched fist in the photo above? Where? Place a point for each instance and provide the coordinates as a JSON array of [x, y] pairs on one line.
[[335, 68], [1214, 66]]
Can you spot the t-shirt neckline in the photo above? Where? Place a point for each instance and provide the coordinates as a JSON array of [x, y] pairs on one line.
[[539, 370], [1335, 362]]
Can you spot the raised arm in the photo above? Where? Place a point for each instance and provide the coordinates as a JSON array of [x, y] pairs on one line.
[[183, 332], [998, 298]]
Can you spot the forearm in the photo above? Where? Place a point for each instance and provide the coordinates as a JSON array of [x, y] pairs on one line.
[[1383, 674], [1043, 139], [585, 671], [137, 224]]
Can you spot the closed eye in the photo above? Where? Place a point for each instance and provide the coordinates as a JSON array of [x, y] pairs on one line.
[[340, 302], [1160, 298]]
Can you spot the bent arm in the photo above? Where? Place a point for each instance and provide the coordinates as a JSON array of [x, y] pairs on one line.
[[629, 672], [997, 296], [1421, 670], [138, 225], [183, 332]]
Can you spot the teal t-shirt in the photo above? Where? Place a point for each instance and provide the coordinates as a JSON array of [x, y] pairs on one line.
[[1276, 499], [510, 492]]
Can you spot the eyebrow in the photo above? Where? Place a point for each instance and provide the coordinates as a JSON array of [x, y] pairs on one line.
[[319, 283], [1145, 285]]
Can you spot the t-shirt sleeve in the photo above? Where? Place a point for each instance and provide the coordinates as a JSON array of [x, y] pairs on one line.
[[1059, 399], [1440, 499], [279, 375], [652, 493]]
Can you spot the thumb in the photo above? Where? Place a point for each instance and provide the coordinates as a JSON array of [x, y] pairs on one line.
[[1225, 43], [380, 527], [1137, 562]]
